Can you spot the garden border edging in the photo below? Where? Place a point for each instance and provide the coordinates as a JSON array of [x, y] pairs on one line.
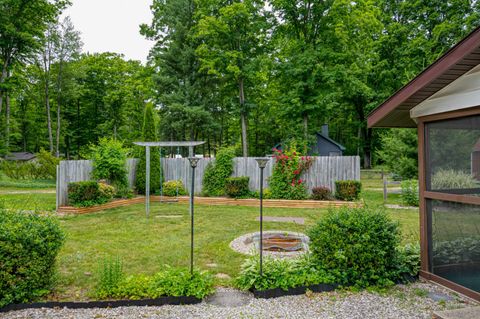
[[279, 292], [161, 301]]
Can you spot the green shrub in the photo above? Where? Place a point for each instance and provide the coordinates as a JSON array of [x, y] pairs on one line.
[[281, 273], [410, 192], [321, 193], [358, 245], [452, 179], [170, 188], [109, 162], [267, 194], [399, 152], [168, 282], [46, 165], [89, 193], [237, 187], [286, 182], [156, 174], [217, 172], [408, 260], [457, 251], [348, 190], [29, 246]]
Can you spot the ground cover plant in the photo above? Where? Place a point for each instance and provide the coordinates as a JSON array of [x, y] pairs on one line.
[[29, 247], [168, 282]]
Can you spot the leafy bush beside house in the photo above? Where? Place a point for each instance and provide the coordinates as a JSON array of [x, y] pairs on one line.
[[358, 245], [29, 246], [43, 168], [217, 172]]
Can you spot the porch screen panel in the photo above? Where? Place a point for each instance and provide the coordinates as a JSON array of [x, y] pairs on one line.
[[453, 156], [455, 242]]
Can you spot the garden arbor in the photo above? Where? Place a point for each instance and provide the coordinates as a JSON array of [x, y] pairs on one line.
[[443, 102], [161, 144]]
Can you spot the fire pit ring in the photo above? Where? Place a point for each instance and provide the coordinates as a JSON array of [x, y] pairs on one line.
[[276, 243]]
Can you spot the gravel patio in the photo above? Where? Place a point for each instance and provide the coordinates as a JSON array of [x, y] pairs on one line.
[[417, 300]]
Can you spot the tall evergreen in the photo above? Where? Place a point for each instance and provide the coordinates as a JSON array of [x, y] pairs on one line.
[[149, 135]]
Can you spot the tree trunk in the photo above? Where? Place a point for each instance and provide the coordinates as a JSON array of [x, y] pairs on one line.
[[59, 105], [305, 125], [46, 65], [3, 78], [7, 124], [243, 118]]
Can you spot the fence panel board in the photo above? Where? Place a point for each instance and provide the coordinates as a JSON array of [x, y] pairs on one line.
[[323, 172]]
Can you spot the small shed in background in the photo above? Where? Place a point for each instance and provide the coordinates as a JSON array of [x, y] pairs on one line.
[[20, 156], [325, 146]]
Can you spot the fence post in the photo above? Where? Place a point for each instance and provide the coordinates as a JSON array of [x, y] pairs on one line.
[[384, 188]]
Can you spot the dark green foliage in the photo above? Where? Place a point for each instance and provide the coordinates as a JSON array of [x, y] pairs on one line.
[[348, 190], [149, 135], [29, 246], [400, 152], [89, 193], [46, 165], [358, 245], [281, 273], [408, 260], [217, 172], [237, 187], [322, 193], [170, 188], [110, 275], [109, 162], [457, 251], [168, 282], [43, 168], [410, 192]]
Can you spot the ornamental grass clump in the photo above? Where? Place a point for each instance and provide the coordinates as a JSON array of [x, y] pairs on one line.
[[286, 181], [359, 245]]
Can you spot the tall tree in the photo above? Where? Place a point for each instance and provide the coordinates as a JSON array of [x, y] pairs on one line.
[[233, 37]]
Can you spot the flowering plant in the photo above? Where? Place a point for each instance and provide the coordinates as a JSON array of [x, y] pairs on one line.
[[286, 181]]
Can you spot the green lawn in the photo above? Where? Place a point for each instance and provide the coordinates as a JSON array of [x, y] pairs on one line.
[[145, 245]]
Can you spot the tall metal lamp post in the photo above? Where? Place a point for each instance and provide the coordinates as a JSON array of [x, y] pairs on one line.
[[193, 163], [262, 163]]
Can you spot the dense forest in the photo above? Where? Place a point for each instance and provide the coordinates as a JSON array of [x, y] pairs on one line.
[[248, 74]]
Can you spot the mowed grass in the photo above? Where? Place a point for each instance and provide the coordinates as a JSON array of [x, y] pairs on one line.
[[145, 245]]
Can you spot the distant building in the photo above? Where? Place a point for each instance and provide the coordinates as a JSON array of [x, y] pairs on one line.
[[323, 146], [20, 156]]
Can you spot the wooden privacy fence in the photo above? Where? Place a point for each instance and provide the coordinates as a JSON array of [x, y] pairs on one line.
[[323, 172]]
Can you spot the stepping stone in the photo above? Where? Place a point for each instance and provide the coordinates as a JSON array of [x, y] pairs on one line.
[[296, 220], [212, 265], [229, 298], [464, 313], [438, 296], [169, 216], [222, 276]]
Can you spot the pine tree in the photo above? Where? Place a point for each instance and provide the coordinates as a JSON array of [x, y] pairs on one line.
[[149, 135]]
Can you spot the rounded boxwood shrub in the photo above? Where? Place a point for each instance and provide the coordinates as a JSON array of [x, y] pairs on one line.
[[170, 188], [348, 190], [29, 245], [89, 193], [237, 186], [358, 245]]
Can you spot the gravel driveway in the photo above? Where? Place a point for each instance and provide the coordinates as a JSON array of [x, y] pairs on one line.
[[412, 301]]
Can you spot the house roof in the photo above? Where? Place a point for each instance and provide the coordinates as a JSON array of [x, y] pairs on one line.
[[461, 58], [331, 141], [19, 156]]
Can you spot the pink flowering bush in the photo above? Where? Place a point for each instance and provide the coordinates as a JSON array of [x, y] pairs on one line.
[[286, 181]]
